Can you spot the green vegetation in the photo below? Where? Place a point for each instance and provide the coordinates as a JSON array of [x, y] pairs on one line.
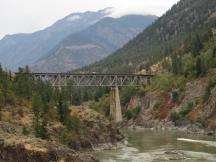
[[47, 104], [187, 109], [132, 113], [174, 116], [25, 131], [40, 121], [210, 86], [126, 94], [166, 82], [183, 113]]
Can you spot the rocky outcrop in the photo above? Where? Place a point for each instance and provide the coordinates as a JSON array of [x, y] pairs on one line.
[[157, 108], [15, 147], [98, 129], [206, 112]]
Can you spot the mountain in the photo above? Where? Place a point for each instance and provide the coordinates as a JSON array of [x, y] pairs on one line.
[[22, 49], [93, 43], [160, 39]]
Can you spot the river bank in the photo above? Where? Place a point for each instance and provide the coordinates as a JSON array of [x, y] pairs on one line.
[[147, 145], [168, 125]]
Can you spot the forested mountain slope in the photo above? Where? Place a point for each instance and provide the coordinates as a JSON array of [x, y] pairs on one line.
[[92, 44], [161, 38]]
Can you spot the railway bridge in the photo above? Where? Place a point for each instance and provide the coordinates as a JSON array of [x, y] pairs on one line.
[[98, 80]]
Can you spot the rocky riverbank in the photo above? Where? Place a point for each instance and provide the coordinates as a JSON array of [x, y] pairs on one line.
[[14, 147], [18, 143], [184, 108]]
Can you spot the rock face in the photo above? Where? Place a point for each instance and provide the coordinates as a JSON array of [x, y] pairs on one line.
[[206, 112], [157, 108], [99, 130]]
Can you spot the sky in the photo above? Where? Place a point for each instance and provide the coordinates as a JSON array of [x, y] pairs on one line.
[[26, 16]]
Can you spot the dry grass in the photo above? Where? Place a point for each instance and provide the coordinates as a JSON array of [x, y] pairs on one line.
[[7, 116], [31, 147]]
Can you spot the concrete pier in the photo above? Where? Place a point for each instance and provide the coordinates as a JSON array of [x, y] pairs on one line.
[[115, 105]]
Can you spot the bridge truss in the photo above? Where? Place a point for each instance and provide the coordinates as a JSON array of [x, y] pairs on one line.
[[98, 80]]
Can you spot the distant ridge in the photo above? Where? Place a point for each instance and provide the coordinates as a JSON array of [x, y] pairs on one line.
[[93, 43], [22, 49]]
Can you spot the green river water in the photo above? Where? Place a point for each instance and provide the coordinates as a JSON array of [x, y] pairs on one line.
[[144, 145]]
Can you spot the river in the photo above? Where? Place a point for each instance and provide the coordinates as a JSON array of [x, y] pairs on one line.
[[144, 145]]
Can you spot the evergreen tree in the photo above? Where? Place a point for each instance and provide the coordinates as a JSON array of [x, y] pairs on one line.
[[196, 45], [176, 64], [43, 130], [72, 123], [40, 120], [85, 96], [200, 68], [63, 109], [214, 52], [24, 83], [37, 104], [1, 105]]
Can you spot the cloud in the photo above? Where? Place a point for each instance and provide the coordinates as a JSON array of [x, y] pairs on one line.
[[30, 15], [74, 18]]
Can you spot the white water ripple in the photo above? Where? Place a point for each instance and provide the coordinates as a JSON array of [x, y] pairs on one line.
[[208, 143]]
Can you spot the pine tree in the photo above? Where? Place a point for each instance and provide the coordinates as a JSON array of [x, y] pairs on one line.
[[200, 68], [37, 104], [1, 105], [40, 121], [43, 130], [176, 64], [24, 83], [214, 52], [63, 109], [196, 45], [72, 123], [85, 96]]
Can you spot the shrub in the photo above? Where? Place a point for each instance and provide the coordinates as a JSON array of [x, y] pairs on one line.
[[165, 82], [175, 96], [210, 86], [126, 94], [63, 137], [187, 109], [174, 116], [132, 114], [137, 110], [129, 114], [72, 123], [141, 92], [157, 105], [25, 131]]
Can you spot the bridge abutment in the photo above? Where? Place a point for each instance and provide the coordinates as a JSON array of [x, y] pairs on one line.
[[115, 105]]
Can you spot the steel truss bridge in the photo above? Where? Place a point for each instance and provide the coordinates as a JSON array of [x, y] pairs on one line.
[[97, 80]]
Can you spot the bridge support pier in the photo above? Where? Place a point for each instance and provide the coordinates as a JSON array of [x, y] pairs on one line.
[[115, 105]]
